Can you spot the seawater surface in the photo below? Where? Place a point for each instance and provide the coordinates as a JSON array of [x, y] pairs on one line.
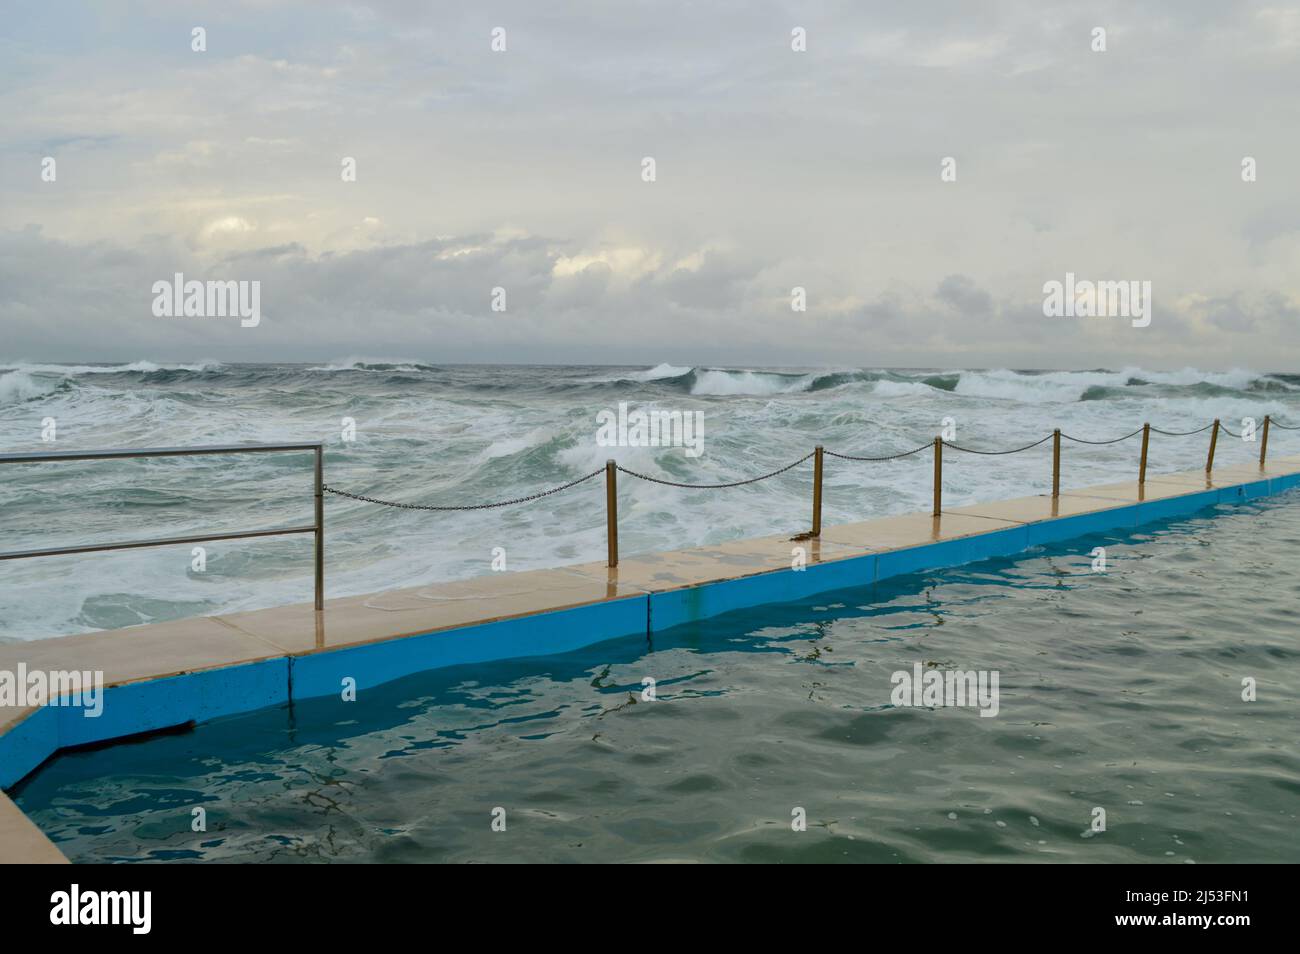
[[1119, 690], [454, 435]]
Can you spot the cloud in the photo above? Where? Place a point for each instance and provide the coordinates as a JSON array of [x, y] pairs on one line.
[[521, 170], [431, 300], [962, 294]]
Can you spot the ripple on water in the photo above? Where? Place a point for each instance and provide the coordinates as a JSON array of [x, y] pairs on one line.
[[1113, 695]]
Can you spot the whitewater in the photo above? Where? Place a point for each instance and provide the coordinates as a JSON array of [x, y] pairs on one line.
[[453, 435]]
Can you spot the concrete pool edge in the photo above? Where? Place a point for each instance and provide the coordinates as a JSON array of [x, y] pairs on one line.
[[272, 657], [21, 842]]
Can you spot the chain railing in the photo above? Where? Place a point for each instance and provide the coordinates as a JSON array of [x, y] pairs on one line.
[[485, 506], [610, 470], [613, 468]]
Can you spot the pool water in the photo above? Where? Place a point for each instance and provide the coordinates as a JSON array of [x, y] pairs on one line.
[[1119, 690]]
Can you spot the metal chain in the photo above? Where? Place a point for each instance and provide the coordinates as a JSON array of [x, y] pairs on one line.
[[734, 483], [486, 506], [915, 450], [1183, 433], [987, 453], [1113, 440], [782, 470]]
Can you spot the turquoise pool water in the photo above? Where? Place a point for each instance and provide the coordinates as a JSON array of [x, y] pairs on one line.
[[1118, 690]]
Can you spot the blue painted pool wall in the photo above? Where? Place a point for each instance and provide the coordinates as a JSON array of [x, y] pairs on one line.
[[27, 744], [1083, 524], [197, 697], [674, 607], [143, 707], [542, 634]]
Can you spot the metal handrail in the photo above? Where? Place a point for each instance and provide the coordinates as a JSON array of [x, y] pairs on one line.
[[317, 528]]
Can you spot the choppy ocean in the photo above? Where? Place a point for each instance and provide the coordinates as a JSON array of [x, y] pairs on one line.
[[453, 435], [1120, 690]]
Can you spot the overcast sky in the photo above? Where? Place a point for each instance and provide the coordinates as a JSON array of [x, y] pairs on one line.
[[775, 168]]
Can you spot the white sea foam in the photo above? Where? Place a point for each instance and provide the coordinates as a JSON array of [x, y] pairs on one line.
[[896, 389], [137, 367], [1052, 387], [517, 443], [720, 382], [19, 386], [464, 436], [1236, 379], [661, 371], [378, 365]]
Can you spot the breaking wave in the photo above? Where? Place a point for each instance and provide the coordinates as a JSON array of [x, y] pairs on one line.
[[1033, 387], [460, 434]]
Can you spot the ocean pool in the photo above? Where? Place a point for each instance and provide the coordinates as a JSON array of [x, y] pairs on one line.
[[1118, 690]]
